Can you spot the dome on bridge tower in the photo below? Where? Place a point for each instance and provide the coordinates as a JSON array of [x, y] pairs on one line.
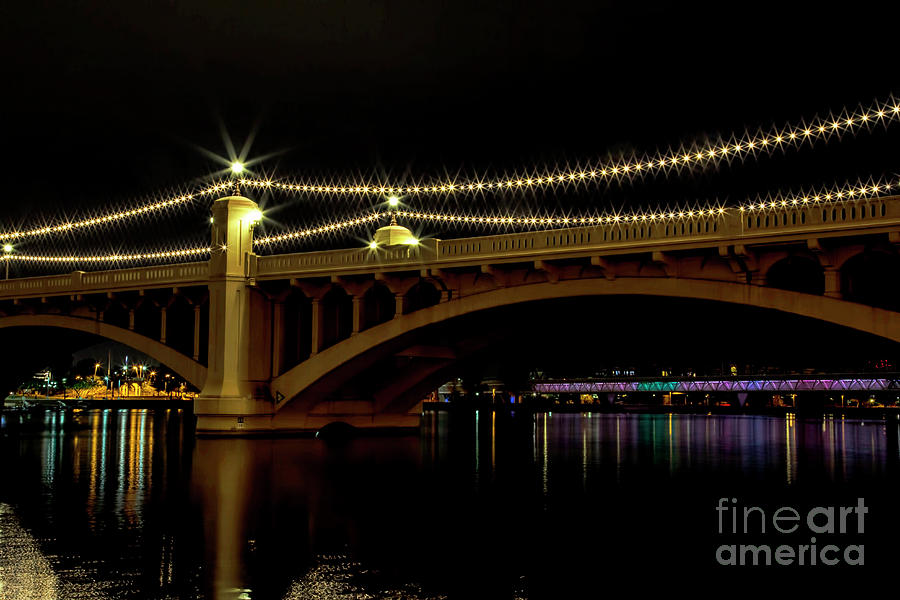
[[394, 235]]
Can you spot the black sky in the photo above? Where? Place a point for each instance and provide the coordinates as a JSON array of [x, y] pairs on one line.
[[107, 101]]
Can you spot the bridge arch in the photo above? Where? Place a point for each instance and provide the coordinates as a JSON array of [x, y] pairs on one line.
[[325, 371], [192, 371]]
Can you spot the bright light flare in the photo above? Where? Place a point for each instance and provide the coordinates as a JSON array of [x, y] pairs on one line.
[[7, 248], [394, 201], [237, 167], [255, 216]]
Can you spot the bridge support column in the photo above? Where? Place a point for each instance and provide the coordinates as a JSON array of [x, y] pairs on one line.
[[832, 282], [228, 403], [357, 315], [318, 327], [162, 325], [197, 332], [277, 337]]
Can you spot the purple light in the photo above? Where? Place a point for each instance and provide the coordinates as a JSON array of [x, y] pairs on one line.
[[713, 385]]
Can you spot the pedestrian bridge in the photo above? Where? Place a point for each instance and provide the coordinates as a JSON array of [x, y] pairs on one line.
[[809, 383], [282, 342]]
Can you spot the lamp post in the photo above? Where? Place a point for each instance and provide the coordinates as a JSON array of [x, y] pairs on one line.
[[237, 168], [7, 249]]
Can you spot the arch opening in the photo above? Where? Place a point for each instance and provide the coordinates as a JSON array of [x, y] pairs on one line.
[[873, 278], [337, 316], [61, 333], [798, 274], [319, 377], [422, 295], [379, 305]]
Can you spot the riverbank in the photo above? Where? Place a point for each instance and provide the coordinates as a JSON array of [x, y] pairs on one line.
[[22, 403], [849, 412]]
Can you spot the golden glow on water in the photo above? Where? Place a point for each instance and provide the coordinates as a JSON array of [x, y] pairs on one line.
[[335, 577], [790, 450], [671, 445], [25, 573], [96, 540], [493, 440], [545, 467]]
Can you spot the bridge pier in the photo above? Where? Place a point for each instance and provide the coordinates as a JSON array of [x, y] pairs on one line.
[[228, 402]]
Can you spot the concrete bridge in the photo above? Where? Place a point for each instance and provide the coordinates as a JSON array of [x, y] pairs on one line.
[[297, 341]]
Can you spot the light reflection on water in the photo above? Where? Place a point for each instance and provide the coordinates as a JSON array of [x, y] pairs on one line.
[[127, 504]]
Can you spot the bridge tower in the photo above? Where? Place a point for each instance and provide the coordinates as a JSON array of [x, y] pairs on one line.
[[228, 402]]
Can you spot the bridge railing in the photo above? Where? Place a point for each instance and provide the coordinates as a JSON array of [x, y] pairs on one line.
[[639, 234], [82, 282], [732, 226]]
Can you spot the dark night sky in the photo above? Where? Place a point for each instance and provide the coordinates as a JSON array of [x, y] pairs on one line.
[[107, 102]]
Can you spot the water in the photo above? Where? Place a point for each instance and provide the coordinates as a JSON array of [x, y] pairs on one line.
[[128, 504]]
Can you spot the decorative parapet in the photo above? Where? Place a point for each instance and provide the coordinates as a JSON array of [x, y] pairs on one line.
[[79, 282]]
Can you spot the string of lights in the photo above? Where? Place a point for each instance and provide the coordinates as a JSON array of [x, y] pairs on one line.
[[791, 136], [847, 192], [842, 193], [742, 146], [108, 258], [304, 233], [109, 218], [837, 194]]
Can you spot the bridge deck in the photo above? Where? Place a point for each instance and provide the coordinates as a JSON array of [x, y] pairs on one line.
[[774, 225]]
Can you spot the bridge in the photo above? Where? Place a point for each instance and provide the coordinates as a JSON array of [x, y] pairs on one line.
[[789, 384], [281, 342]]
